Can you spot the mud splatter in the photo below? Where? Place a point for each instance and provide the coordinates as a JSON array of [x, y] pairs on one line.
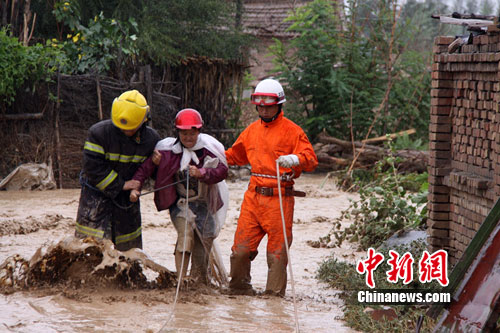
[[84, 263]]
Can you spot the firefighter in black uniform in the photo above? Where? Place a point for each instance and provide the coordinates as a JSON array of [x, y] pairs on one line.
[[113, 151]]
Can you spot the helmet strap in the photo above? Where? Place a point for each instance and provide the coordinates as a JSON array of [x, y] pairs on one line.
[[268, 120]]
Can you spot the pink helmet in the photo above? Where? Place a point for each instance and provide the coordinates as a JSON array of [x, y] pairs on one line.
[[188, 118]]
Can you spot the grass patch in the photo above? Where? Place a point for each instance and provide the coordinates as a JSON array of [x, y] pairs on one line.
[[343, 276]]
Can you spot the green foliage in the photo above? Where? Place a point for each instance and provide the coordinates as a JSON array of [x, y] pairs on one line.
[[341, 71], [102, 44], [173, 30], [404, 142], [421, 13], [20, 65], [343, 276], [167, 31], [390, 202]]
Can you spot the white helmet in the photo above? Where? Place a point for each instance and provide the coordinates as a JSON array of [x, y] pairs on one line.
[[268, 92]]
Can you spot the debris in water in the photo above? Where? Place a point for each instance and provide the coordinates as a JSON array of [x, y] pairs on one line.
[[80, 263]]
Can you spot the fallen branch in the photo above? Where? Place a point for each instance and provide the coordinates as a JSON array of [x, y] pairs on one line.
[[366, 155], [22, 116], [391, 136]]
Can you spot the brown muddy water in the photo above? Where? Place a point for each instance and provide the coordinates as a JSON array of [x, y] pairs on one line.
[[34, 220]]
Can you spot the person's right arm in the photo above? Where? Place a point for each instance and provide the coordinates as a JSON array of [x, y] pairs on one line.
[[237, 155]]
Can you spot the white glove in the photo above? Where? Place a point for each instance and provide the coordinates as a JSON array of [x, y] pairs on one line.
[[288, 161]]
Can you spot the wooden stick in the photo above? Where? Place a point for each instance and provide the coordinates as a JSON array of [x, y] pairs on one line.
[[99, 101], [149, 91], [22, 116], [58, 133], [392, 136]]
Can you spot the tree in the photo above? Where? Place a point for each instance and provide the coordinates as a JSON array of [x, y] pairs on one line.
[[361, 79], [487, 8]]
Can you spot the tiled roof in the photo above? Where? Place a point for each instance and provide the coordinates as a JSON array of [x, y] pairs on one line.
[[265, 18]]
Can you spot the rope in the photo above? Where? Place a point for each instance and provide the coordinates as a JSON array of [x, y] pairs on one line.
[[179, 280], [286, 177], [163, 187], [292, 282], [84, 182]]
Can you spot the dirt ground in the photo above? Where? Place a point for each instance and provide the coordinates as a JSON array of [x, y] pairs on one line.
[[33, 220]]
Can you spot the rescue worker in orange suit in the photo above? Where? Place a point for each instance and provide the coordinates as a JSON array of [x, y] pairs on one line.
[[112, 153], [271, 138]]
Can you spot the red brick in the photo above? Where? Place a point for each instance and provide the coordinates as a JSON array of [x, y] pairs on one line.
[[440, 128], [443, 40], [441, 75], [438, 224], [439, 198], [439, 233], [441, 110], [441, 92], [436, 145], [440, 136], [438, 207], [440, 154]]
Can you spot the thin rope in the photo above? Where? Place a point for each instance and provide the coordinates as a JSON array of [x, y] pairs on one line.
[[179, 279], [163, 187], [84, 182], [292, 281]]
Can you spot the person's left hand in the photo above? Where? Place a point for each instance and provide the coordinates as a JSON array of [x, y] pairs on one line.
[[194, 172], [156, 157]]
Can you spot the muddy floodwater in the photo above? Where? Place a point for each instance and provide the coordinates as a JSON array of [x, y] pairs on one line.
[[31, 220]]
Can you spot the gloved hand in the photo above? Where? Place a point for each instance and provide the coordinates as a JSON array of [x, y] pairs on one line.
[[288, 161]]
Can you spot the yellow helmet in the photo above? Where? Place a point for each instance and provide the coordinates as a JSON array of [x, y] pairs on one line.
[[129, 110]]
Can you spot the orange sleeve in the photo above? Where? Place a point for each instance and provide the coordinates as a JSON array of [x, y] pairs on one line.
[[304, 150], [237, 155]]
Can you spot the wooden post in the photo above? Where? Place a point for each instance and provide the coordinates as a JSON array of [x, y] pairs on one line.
[[58, 133], [99, 101], [149, 91]]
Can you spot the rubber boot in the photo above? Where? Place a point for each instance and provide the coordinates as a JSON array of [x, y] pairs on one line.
[[201, 255], [178, 262], [240, 272], [276, 274]]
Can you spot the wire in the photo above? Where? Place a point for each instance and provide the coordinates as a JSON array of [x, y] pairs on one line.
[[179, 279], [292, 282]]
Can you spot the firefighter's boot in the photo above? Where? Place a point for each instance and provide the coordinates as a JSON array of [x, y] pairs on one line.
[[276, 274], [240, 272]]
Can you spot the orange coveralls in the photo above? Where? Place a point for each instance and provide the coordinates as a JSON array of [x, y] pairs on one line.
[[259, 145]]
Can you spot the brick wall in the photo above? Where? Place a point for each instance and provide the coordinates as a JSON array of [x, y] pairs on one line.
[[464, 168]]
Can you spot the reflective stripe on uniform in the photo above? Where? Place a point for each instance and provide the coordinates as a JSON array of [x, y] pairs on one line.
[[108, 180], [125, 158], [93, 147], [128, 237], [113, 156], [89, 231]]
